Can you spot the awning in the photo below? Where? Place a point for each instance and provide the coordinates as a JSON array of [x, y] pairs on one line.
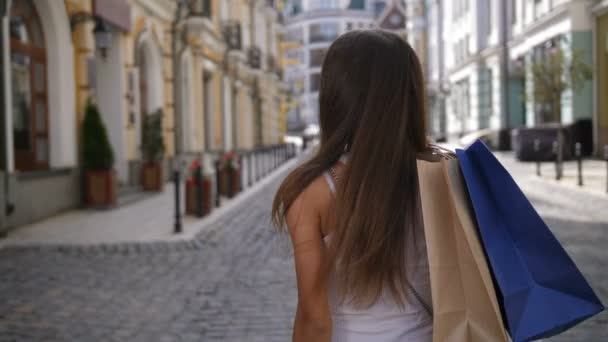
[[114, 12]]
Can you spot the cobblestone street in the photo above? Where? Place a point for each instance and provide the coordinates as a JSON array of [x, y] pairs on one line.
[[235, 282]]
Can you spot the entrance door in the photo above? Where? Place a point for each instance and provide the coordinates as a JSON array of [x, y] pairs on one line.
[[29, 88]]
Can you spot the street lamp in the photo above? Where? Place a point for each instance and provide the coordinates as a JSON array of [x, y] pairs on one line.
[[101, 32]]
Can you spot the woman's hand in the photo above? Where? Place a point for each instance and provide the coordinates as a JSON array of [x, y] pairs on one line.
[[313, 317]]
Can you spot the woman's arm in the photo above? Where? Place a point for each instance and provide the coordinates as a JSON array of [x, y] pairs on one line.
[[313, 317]]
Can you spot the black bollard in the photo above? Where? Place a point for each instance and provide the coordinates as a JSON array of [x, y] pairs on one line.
[[537, 151], [250, 167], [178, 211], [198, 179], [606, 158], [579, 161], [556, 153], [240, 184], [258, 165], [218, 184]]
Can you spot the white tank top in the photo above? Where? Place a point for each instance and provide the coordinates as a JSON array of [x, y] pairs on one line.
[[384, 321]]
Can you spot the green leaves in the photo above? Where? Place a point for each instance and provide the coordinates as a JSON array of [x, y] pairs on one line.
[[97, 152], [152, 145], [556, 74]]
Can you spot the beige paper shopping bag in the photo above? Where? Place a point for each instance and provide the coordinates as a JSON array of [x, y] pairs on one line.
[[465, 307]]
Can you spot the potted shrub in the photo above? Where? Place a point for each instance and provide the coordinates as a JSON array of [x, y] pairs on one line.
[[98, 160], [194, 205], [230, 175], [153, 149]]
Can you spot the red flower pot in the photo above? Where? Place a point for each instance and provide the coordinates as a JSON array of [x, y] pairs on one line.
[[193, 207], [101, 188]]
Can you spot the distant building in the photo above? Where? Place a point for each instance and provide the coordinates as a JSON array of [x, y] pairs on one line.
[[310, 28]]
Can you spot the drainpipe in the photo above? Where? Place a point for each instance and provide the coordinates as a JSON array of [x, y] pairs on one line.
[[504, 64], [6, 208]]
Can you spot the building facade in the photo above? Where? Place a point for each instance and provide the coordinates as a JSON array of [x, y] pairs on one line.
[[208, 65], [473, 57], [310, 28], [486, 53], [435, 70]]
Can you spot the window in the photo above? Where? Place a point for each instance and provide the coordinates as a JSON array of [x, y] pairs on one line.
[[324, 4], [485, 97], [513, 12], [207, 109], [317, 56], [379, 7], [489, 17], [315, 82], [295, 35], [324, 32], [29, 90]]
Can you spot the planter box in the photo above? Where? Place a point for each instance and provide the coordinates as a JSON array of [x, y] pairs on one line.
[[101, 188], [152, 177], [192, 206], [230, 182]]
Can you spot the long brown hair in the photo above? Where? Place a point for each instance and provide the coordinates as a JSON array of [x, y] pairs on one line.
[[372, 105]]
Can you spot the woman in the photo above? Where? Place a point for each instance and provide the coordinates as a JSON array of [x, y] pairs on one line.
[[352, 210]]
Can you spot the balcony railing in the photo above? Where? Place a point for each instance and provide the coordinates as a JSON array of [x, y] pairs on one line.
[[202, 8], [254, 57], [232, 34]]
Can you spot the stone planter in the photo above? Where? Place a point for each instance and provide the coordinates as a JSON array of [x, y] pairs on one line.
[[230, 181], [101, 188], [193, 206], [152, 177]]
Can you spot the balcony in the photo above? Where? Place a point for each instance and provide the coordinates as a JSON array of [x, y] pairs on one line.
[[254, 57], [200, 8], [231, 31]]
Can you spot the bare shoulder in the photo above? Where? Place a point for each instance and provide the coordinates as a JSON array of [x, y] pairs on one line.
[[310, 205]]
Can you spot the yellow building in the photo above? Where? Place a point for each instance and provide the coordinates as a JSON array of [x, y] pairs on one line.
[[210, 66]]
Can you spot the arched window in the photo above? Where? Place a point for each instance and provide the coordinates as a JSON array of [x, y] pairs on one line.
[[29, 88]]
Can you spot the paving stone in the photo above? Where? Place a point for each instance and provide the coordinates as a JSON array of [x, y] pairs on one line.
[[235, 282]]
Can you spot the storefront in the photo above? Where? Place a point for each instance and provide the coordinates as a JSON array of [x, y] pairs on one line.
[[38, 111]]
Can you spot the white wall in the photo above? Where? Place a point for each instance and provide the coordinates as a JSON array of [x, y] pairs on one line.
[[110, 90], [61, 88]]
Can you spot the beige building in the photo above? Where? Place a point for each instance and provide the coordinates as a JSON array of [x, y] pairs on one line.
[[222, 91]]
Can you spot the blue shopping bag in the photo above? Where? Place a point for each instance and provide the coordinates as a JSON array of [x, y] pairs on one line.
[[541, 291]]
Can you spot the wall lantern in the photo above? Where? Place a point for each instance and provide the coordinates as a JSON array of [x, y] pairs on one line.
[[101, 32], [103, 37]]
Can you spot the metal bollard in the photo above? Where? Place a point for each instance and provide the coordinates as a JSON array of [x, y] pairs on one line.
[[606, 158], [258, 165], [218, 185], [178, 211], [579, 160], [537, 150], [250, 167], [241, 186], [198, 179], [556, 152]]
